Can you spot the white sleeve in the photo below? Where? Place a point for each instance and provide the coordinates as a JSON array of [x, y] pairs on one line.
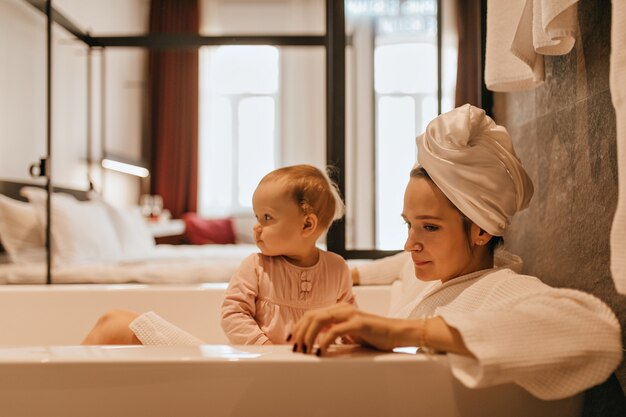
[[554, 343], [383, 271], [152, 329]]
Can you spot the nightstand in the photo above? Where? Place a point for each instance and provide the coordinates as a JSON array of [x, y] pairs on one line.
[[171, 231]]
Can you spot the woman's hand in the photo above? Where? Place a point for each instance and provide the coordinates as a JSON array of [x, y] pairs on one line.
[[328, 324]]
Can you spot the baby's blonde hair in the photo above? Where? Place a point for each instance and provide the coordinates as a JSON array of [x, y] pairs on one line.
[[312, 190]]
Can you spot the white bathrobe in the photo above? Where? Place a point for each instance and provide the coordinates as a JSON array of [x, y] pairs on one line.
[[553, 342], [399, 272]]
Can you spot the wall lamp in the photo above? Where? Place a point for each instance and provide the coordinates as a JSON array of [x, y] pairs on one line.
[[126, 167]]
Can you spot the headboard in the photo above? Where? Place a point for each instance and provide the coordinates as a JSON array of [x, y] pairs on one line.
[[12, 189]]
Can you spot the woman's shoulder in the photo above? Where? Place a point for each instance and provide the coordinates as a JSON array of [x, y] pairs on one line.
[[508, 274], [508, 280], [505, 286], [497, 288]]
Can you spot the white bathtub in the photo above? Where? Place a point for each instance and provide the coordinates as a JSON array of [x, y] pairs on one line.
[[38, 377], [63, 314]]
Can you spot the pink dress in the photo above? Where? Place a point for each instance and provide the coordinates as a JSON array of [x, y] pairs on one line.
[[267, 295]]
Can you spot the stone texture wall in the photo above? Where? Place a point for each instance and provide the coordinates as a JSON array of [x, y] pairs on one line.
[[564, 132]]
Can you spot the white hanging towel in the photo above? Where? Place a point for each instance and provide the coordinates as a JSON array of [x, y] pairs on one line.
[[546, 27], [618, 94], [555, 23], [519, 33], [505, 70]]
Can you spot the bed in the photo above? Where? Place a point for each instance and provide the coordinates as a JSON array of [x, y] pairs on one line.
[[95, 242]]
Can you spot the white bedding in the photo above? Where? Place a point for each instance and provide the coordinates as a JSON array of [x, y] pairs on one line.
[[95, 242], [166, 264]]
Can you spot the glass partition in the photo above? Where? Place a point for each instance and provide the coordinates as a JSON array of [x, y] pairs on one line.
[[100, 97], [393, 89], [23, 132], [262, 105], [23, 86]]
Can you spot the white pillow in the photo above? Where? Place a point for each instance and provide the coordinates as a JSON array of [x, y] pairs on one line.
[[82, 231], [20, 231], [136, 240]]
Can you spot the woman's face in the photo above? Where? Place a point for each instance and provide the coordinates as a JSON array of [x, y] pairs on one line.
[[436, 238]]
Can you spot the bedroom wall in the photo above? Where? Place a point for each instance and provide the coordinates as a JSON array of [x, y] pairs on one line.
[[564, 132], [23, 101], [23, 86]]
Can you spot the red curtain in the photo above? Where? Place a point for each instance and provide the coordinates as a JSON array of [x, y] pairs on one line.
[[469, 76], [173, 86]]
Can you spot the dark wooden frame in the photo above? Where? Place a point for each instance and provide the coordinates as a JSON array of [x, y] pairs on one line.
[[336, 143], [12, 189]]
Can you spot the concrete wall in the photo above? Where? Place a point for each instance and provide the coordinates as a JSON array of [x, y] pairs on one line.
[[564, 132]]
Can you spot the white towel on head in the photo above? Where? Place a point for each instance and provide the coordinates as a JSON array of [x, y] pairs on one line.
[[472, 161], [504, 70], [555, 23], [618, 94]]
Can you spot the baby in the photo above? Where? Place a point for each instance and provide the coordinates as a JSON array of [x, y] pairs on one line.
[[271, 290]]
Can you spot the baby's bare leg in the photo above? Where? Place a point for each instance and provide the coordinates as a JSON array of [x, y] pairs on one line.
[[112, 329]]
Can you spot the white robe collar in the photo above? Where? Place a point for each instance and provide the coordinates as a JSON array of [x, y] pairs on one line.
[[502, 260]]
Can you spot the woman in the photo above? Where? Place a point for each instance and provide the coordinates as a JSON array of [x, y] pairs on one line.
[[498, 326]]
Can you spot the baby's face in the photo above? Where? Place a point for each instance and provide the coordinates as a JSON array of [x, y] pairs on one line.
[[280, 223]]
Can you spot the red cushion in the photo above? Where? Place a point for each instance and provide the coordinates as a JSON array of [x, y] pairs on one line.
[[200, 231]]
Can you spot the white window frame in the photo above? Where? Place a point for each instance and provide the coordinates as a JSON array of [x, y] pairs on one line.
[[234, 208]]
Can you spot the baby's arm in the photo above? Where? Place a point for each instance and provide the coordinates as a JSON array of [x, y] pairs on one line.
[[382, 271], [239, 307], [345, 289]]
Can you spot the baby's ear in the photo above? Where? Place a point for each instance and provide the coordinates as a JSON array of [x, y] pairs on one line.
[[309, 225]]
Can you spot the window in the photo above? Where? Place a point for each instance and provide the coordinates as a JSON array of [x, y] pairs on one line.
[[398, 41], [239, 107], [405, 85]]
